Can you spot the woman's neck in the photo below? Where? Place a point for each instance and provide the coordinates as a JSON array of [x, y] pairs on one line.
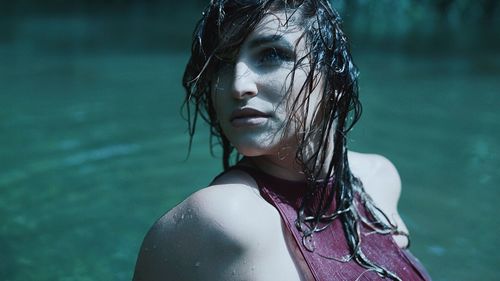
[[280, 167], [283, 165]]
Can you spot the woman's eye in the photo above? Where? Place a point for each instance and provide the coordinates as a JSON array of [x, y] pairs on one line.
[[273, 56]]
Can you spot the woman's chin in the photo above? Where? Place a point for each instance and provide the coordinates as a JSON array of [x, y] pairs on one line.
[[250, 152], [254, 149]]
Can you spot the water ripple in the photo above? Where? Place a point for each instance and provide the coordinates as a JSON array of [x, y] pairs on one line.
[[9, 177], [101, 154]]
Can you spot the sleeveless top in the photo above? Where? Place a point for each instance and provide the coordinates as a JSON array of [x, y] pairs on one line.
[[327, 251]]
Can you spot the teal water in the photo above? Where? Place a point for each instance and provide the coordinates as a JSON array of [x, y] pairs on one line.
[[93, 149]]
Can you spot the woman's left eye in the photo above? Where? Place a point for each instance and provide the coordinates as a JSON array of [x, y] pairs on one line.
[[272, 57]]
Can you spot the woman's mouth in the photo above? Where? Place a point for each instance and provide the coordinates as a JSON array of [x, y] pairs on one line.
[[247, 117]]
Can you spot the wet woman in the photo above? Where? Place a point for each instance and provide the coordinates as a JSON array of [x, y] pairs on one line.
[[275, 81]]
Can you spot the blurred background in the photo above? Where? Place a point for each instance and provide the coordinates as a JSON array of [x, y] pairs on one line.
[[93, 148]]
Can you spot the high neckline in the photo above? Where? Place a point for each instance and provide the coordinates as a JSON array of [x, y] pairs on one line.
[[248, 163]]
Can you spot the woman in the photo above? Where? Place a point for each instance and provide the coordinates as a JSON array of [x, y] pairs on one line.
[[276, 83]]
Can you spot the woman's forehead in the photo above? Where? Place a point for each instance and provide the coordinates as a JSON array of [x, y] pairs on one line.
[[278, 25]]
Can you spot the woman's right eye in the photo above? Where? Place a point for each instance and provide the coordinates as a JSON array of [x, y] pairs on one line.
[[272, 57]]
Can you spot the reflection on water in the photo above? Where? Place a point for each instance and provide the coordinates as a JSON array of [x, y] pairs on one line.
[[94, 149]]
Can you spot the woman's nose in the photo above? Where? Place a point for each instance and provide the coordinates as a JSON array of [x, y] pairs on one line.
[[244, 85]]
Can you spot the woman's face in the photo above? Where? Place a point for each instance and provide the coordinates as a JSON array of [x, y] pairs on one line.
[[252, 96]]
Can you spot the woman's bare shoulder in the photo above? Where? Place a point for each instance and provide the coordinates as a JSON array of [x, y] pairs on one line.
[[222, 220], [377, 173], [234, 204], [381, 181]]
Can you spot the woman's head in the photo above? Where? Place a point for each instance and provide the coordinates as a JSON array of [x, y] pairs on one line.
[[253, 92], [294, 61]]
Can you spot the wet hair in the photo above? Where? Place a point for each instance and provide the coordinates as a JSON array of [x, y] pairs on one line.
[[216, 40]]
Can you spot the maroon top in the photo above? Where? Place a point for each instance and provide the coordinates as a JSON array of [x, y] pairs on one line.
[[286, 197]]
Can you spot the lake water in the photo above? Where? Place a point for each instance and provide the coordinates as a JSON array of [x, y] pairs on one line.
[[93, 149]]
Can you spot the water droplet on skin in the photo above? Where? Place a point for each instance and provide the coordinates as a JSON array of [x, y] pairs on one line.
[[175, 217]]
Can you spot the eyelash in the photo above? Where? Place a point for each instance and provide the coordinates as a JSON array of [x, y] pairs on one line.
[[273, 56]]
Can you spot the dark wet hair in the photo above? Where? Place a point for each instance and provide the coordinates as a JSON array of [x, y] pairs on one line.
[[217, 38]]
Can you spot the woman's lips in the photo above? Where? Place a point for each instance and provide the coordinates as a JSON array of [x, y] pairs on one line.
[[246, 117]]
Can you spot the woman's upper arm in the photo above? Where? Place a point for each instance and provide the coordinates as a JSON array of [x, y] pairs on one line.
[[384, 185], [389, 186], [187, 243], [382, 182]]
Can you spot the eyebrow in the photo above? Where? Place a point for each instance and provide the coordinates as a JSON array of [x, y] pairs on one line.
[[268, 39]]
